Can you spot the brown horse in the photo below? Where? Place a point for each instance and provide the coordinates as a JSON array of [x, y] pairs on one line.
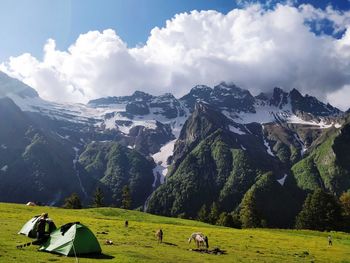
[[159, 235]]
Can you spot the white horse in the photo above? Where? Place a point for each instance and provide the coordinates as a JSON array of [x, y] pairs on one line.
[[200, 239]]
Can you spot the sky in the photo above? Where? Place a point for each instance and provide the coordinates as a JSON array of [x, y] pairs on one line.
[[83, 49]]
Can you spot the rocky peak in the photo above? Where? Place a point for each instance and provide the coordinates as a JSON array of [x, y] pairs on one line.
[[311, 105], [170, 106], [263, 96], [166, 97], [200, 92], [295, 95], [224, 96], [140, 96], [279, 98], [201, 89], [230, 89]]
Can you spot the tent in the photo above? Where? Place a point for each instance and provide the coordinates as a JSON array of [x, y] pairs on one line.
[[29, 228], [72, 239]]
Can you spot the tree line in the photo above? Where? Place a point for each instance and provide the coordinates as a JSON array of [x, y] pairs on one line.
[[73, 201], [321, 211]]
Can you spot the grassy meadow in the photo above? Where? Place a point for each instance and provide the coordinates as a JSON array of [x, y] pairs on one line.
[[137, 243]]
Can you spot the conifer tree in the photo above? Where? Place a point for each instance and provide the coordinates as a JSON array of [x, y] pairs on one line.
[[126, 198], [225, 219], [203, 214], [213, 214], [98, 198], [345, 203], [321, 211], [249, 214], [72, 202]]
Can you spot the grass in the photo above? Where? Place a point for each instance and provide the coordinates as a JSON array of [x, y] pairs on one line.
[[138, 244]]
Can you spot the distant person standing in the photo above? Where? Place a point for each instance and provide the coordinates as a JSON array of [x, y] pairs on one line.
[[330, 240], [126, 223], [159, 235]]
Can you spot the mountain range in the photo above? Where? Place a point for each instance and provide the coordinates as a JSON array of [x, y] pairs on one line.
[[213, 145]]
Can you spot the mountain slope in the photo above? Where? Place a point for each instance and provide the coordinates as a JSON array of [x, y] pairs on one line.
[[115, 166], [327, 166], [218, 169]]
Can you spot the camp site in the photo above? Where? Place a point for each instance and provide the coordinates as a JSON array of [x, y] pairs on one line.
[[137, 242]]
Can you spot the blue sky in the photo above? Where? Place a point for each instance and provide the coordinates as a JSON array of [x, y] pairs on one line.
[[25, 25]]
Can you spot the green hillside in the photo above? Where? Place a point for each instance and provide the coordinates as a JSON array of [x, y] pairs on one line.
[[138, 244]]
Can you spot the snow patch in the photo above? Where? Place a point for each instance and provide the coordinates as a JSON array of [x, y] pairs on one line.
[[161, 169], [265, 113], [295, 119], [268, 149], [282, 180], [236, 130], [301, 143], [4, 168], [160, 158]]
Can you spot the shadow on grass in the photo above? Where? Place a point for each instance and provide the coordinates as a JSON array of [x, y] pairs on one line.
[[96, 256], [169, 244]]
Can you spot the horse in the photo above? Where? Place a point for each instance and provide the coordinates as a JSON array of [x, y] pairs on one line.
[[159, 235], [200, 239]]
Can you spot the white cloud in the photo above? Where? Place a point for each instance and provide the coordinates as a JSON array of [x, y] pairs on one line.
[[253, 47], [340, 98]]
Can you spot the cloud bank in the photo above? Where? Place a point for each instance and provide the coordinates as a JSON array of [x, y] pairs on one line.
[[255, 48]]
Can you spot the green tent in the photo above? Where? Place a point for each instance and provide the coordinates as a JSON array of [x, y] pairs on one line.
[[29, 228], [72, 239]]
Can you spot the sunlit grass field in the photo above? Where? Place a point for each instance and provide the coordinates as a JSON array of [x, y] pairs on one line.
[[137, 243]]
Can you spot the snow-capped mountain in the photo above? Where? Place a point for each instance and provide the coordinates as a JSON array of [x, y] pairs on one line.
[[279, 127]]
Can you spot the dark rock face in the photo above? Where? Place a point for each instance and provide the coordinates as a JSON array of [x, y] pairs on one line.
[[137, 108], [279, 98], [150, 140], [198, 93], [169, 106], [309, 104]]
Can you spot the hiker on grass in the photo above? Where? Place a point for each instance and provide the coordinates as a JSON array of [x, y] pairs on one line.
[[159, 235], [330, 240]]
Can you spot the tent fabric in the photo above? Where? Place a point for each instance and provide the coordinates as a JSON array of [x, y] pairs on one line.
[[29, 228], [76, 240]]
